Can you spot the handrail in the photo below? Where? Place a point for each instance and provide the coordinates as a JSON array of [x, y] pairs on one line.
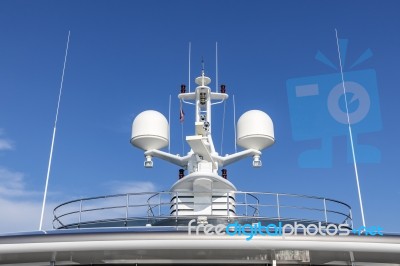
[[148, 202], [79, 212]]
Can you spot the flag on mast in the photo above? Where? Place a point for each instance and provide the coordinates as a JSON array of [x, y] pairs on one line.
[[181, 113]]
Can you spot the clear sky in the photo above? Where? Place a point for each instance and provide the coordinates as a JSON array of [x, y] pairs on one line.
[[129, 56]]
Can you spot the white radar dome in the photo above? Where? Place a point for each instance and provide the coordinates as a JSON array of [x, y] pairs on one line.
[[150, 131], [255, 130]]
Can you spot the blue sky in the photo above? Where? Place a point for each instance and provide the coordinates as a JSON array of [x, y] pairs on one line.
[[129, 56]]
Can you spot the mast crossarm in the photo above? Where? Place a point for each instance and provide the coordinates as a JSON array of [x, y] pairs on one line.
[[174, 159], [229, 159]]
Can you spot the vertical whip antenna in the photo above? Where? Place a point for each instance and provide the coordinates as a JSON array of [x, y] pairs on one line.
[[234, 119], [190, 52], [169, 124], [350, 132], [216, 66], [54, 135]]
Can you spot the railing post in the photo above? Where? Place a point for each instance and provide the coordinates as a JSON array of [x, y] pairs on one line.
[[326, 215], [159, 204], [227, 204], [176, 205], [351, 219], [278, 206], [80, 213], [245, 203], [127, 208]]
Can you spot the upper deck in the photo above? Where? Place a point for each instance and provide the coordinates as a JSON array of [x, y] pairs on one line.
[[176, 209]]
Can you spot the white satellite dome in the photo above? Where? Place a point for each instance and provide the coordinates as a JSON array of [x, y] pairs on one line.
[[150, 131], [255, 130]]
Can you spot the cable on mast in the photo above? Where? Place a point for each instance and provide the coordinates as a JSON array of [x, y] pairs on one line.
[[350, 132], [190, 51], [54, 135], [182, 119], [169, 124], [216, 67], [223, 127], [183, 142], [234, 119]]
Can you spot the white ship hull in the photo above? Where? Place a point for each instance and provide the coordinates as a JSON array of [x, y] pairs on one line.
[[84, 247]]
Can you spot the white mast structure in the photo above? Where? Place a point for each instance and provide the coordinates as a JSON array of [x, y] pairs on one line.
[[204, 189]]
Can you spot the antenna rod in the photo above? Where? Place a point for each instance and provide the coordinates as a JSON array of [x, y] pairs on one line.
[[216, 66], [169, 124], [234, 119], [190, 51], [350, 132], [54, 135]]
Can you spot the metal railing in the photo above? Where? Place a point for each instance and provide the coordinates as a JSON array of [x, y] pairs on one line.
[[162, 208]]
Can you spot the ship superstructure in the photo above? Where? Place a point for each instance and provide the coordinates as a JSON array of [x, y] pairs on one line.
[[202, 192]]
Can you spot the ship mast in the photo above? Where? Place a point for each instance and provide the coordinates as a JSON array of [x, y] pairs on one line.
[[254, 128]]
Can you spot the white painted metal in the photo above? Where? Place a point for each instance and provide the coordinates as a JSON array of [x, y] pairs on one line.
[[255, 130], [184, 241], [150, 131]]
